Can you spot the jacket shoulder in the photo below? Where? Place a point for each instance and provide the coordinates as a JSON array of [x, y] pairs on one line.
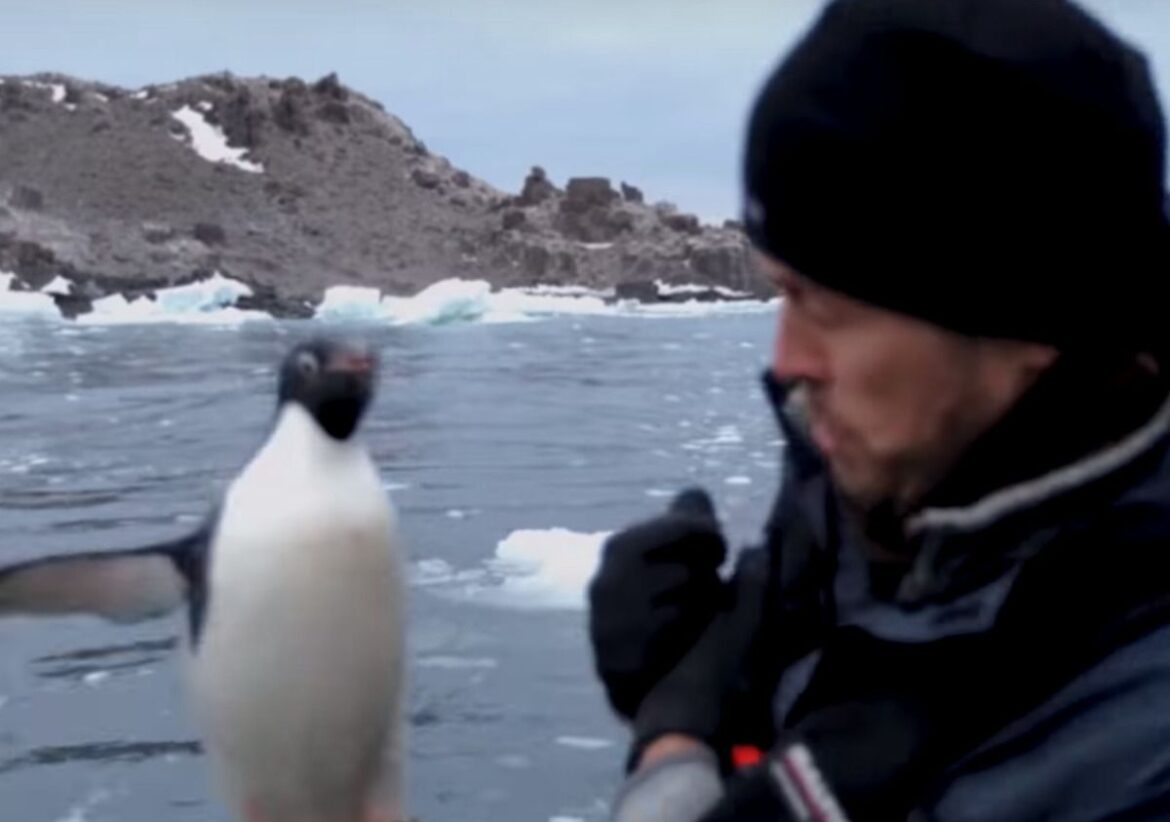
[[1098, 748]]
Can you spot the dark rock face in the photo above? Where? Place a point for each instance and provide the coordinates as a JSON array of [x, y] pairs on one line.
[[683, 223], [72, 306], [27, 198], [718, 264], [514, 219], [156, 233], [632, 194], [644, 291], [334, 111], [29, 260], [241, 121], [290, 111], [537, 188], [586, 193], [425, 179], [209, 234], [339, 191], [587, 212], [330, 86]]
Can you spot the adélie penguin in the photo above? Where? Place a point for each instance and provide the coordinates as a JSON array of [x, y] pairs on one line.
[[296, 597]]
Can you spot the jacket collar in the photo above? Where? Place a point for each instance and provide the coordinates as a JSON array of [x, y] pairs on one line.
[[1083, 420]]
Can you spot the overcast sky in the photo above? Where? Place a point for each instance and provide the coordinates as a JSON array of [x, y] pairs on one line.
[[650, 91]]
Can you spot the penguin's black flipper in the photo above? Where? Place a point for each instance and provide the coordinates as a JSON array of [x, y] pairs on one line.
[[120, 586]]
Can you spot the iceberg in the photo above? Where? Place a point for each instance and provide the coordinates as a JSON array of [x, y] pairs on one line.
[[31, 304], [456, 300], [206, 302]]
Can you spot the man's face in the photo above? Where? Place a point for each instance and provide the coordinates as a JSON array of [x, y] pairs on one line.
[[892, 401]]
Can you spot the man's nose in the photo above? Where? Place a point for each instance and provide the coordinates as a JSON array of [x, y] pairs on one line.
[[798, 352]]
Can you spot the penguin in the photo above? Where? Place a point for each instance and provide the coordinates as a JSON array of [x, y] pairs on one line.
[[295, 591]]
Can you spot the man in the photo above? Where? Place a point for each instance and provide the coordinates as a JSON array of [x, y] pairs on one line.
[[961, 609]]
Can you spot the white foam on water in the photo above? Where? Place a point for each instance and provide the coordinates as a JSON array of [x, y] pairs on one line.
[[22, 464], [95, 677], [698, 308], [518, 303], [80, 811], [584, 743], [205, 302], [455, 300], [669, 290], [456, 663], [532, 569], [211, 143], [567, 291], [738, 480], [725, 437]]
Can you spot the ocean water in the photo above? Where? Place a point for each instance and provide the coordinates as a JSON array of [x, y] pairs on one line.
[[510, 445]]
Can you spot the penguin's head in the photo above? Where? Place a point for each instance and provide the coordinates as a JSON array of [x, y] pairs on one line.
[[333, 380]]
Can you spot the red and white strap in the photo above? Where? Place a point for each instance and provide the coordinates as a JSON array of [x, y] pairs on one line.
[[803, 786]]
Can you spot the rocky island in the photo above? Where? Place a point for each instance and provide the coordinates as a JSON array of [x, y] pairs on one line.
[[292, 187]]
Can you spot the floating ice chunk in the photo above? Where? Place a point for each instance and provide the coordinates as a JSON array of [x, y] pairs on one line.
[[206, 302], [584, 743], [58, 285], [25, 303], [531, 569]]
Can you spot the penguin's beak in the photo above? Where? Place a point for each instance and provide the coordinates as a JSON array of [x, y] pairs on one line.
[[344, 390]]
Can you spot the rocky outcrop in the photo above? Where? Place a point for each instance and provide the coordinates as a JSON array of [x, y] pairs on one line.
[[320, 186], [589, 212], [632, 194], [26, 198], [536, 188]]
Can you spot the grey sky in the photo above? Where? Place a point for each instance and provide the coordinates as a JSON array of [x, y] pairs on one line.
[[652, 91]]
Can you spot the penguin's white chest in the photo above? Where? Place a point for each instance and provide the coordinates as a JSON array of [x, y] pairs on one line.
[[298, 672]]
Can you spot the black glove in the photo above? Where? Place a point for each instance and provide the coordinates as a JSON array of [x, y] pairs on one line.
[[700, 696], [657, 588]]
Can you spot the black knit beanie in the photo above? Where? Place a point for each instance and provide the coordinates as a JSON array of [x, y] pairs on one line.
[[992, 166]]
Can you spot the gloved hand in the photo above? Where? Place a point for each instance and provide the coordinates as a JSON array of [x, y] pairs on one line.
[[701, 697], [656, 590]]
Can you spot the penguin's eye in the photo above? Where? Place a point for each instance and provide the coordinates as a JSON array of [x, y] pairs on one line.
[[308, 365]]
